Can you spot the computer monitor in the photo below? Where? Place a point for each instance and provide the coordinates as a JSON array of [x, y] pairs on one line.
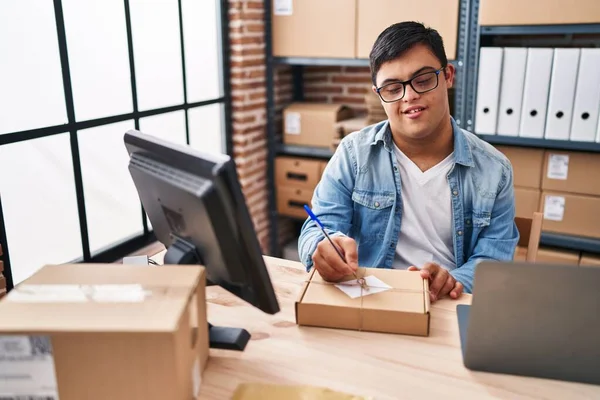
[[195, 204]]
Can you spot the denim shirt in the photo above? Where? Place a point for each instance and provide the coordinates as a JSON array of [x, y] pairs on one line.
[[360, 196]]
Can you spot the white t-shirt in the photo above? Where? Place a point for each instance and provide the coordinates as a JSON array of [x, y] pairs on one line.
[[426, 229]]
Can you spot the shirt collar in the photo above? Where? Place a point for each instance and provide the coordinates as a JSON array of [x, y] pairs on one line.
[[462, 150]]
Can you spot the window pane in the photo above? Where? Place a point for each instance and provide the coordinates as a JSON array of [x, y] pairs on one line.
[[202, 53], [31, 87], [170, 126], [112, 204], [39, 204], [98, 58], [157, 53], [206, 128]]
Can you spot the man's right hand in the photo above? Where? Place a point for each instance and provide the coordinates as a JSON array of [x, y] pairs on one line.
[[328, 262]]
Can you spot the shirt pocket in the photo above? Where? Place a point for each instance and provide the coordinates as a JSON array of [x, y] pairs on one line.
[[478, 219], [372, 212]]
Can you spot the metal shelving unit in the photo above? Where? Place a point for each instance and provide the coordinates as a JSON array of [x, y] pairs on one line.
[[541, 143], [578, 243], [571, 242], [304, 151], [466, 25]]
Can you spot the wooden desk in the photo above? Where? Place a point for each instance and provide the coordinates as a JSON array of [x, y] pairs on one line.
[[384, 366]]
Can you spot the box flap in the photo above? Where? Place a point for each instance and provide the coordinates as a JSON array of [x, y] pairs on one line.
[[303, 292], [406, 296], [100, 298]]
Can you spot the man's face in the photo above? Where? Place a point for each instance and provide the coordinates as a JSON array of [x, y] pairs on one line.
[[416, 115]]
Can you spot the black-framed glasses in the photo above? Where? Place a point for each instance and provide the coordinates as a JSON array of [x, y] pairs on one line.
[[421, 83]]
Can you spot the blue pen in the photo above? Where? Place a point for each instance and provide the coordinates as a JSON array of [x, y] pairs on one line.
[[312, 216]]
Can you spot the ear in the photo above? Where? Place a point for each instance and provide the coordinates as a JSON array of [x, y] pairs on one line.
[[374, 89], [449, 74]]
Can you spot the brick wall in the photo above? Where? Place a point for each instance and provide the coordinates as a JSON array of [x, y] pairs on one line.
[[248, 86], [346, 85]]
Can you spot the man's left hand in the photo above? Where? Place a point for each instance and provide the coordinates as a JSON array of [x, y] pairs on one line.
[[441, 282]]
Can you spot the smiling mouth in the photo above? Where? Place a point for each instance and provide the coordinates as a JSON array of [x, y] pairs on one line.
[[414, 111]]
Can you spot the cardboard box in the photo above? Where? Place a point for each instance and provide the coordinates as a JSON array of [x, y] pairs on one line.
[[571, 214], [527, 165], [527, 201], [313, 124], [538, 12], [376, 15], [314, 28], [297, 172], [570, 172], [403, 309], [291, 201], [323, 166], [555, 256], [106, 332], [589, 260]]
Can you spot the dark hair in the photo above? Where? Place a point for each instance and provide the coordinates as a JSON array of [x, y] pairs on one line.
[[401, 37]]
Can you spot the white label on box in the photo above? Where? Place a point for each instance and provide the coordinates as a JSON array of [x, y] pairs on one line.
[[128, 293], [27, 368], [353, 289], [292, 123], [283, 7], [196, 377], [554, 208], [558, 166]]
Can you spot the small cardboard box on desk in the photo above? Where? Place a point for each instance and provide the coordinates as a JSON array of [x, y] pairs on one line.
[[105, 332], [395, 301]]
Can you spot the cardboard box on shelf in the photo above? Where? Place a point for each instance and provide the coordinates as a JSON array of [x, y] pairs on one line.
[[569, 172], [313, 124], [375, 15], [527, 165], [291, 201], [297, 172], [538, 12], [527, 201], [314, 28], [556, 256], [403, 308], [589, 260], [106, 331], [571, 214], [322, 169]]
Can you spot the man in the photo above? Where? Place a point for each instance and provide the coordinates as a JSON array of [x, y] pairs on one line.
[[415, 191]]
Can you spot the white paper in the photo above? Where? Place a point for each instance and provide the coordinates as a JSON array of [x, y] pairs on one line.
[[196, 377], [353, 289], [554, 208], [127, 293], [283, 7], [558, 166], [292, 123], [27, 368]]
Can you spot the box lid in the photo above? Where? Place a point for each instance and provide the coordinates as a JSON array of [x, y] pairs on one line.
[[100, 298], [407, 293]]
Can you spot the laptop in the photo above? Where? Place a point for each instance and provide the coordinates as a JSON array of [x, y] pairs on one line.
[[538, 320]]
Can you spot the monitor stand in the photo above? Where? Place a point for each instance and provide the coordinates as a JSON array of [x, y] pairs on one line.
[[182, 252]]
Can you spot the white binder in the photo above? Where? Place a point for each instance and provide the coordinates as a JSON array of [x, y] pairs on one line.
[[511, 91], [535, 92], [488, 89], [587, 97], [562, 93]]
